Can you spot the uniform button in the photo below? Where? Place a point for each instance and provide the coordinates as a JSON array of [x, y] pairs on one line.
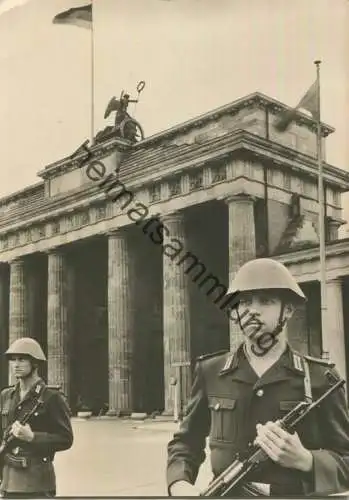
[[44, 459], [19, 407], [217, 406], [36, 414], [260, 393]]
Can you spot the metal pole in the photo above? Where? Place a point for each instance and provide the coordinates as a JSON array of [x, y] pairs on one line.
[[325, 350], [92, 79]]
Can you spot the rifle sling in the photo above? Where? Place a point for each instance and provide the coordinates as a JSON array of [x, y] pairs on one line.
[[25, 415]]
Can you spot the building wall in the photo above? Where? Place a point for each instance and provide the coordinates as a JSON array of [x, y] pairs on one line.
[[345, 290], [207, 234], [4, 320], [304, 328], [148, 359], [89, 339], [278, 220]]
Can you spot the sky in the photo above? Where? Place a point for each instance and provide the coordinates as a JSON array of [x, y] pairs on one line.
[[194, 56]]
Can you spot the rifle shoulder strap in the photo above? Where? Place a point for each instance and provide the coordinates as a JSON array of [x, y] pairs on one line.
[[307, 381]]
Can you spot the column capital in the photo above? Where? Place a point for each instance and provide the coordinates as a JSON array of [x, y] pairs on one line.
[[16, 260], [176, 216], [53, 251], [335, 281], [335, 221], [117, 233], [239, 198]]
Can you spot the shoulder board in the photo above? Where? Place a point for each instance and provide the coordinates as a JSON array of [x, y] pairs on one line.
[[54, 387], [212, 355], [320, 361], [7, 387]]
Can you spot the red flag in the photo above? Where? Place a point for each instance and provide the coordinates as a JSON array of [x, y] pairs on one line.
[[309, 102], [78, 16]]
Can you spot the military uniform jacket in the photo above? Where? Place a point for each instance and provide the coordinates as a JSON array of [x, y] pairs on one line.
[[228, 400], [52, 432]]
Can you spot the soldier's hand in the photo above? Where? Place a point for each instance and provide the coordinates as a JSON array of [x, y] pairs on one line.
[[283, 448], [184, 489], [22, 432]]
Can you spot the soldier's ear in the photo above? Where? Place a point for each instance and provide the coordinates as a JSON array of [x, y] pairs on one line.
[[289, 310]]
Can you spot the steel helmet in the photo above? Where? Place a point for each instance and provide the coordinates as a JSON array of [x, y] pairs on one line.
[[26, 346], [265, 274]]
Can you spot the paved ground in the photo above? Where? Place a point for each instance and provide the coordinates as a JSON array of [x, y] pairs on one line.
[[112, 457]]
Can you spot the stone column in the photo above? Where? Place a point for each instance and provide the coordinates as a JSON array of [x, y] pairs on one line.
[[18, 321], [58, 369], [120, 325], [333, 336], [242, 244], [4, 319], [31, 281], [176, 311], [18, 310]]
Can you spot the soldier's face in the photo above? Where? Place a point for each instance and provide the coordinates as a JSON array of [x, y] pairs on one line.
[[21, 366], [259, 313]]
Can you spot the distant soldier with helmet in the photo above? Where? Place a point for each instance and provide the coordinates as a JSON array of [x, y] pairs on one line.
[[27, 461], [238, 398]]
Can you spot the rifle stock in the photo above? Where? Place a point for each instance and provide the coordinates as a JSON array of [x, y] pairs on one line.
[[234, 475]]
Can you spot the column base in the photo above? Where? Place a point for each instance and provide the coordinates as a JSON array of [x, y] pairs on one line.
[[167, 413], [118, 413], [138, 416]]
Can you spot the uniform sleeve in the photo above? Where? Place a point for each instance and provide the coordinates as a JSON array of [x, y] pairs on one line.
[[186, 451], [331, 464], [59, 435]]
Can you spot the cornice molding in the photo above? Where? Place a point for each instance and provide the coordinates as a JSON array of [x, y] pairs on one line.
[[254, 99], [333, 248], [98, 151]]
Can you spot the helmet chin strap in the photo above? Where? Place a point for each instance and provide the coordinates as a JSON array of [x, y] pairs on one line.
[[272, 335], [281, 322]]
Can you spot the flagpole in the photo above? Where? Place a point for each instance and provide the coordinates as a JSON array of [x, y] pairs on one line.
[[92, 78], [324, 316]]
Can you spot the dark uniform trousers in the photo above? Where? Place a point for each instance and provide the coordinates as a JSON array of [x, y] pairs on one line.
[[28, 470], [228, 400]]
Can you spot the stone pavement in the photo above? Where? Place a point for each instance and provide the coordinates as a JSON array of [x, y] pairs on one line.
[[112, 457]]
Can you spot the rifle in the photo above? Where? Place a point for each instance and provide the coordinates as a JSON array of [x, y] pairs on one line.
[[8, 437], [234, 475]]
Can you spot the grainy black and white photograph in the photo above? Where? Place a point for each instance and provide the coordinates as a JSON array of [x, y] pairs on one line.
[[174, 248]]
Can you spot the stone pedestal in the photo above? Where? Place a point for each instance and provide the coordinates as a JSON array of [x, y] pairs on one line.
[[242, 244], [120, 325], [176, 314], [58, 331], [333, 336]]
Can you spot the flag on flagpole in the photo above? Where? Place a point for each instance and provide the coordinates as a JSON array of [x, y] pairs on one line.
[[6, 5], [309, 102], [77, 16], [82, 17]]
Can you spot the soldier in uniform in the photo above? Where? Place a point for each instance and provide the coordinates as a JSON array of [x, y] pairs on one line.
[[27, 462], [237, 399]]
